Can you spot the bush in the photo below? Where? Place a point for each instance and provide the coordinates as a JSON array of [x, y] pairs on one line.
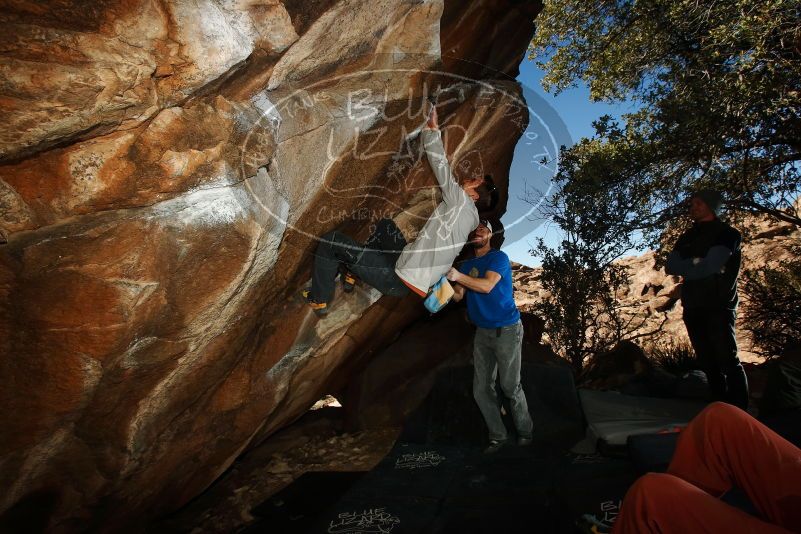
[[580, 302], [677, 357], [771, 307]]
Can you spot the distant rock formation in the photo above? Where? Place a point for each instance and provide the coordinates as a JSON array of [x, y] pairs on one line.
[[654, 296], [164, 170]]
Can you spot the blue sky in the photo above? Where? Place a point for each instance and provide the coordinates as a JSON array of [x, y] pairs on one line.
[[571, 110]]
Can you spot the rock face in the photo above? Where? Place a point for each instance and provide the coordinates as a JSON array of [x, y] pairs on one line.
[[652, 296], [164, 170]]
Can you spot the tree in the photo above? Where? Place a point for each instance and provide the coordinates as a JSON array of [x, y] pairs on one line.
[[772, 306], [580, 295], [718, 85], [582, 313]]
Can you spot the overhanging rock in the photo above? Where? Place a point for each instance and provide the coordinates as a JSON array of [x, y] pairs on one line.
[[164, 172]]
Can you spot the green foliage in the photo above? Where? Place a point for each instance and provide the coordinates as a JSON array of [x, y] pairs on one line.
[[718, 86], [580, 294], [582, 314], [772, 306]]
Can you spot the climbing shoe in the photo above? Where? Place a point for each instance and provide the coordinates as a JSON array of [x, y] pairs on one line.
[[348, 281], [320, 308]]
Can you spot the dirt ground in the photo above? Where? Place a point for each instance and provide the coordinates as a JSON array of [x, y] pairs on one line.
[[316, 442]]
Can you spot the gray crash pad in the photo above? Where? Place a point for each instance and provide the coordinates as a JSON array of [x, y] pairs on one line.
[[612, 417]]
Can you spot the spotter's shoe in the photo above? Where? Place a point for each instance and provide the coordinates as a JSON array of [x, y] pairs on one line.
[[494, 446]]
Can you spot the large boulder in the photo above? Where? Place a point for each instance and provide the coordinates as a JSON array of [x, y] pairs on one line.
[[165, 168]]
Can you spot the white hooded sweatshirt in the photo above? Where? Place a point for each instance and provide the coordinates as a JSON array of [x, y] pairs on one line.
[[424, 261]]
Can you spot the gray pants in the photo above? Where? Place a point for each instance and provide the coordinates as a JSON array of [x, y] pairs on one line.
[[494, 355]]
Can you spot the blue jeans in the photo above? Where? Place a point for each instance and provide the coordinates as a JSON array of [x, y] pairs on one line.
[[373, 262], [495, 355]]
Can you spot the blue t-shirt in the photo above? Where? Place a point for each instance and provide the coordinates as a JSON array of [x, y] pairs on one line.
[[496, 308]]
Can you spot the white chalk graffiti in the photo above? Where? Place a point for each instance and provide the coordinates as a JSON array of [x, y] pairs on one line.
[[372, 521], [419, 460], [610, 509], [606, 518]]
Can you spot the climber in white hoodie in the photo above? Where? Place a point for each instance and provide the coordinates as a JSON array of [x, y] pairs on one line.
[[385, 260]]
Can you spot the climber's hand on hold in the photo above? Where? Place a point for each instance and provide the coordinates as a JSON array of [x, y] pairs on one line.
[[432, 123]]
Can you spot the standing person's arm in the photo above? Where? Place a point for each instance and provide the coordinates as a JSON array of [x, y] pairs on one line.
[[677, 261], [458, 292], [701, 267], [483, 284], [676, 265], [697, 268]]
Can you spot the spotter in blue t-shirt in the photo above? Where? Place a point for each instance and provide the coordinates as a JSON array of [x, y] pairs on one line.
[[496, 308]]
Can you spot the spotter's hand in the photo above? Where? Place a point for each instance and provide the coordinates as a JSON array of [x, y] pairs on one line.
[[453, 275]]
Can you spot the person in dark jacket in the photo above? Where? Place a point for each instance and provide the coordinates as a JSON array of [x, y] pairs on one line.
[[708, 257]]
